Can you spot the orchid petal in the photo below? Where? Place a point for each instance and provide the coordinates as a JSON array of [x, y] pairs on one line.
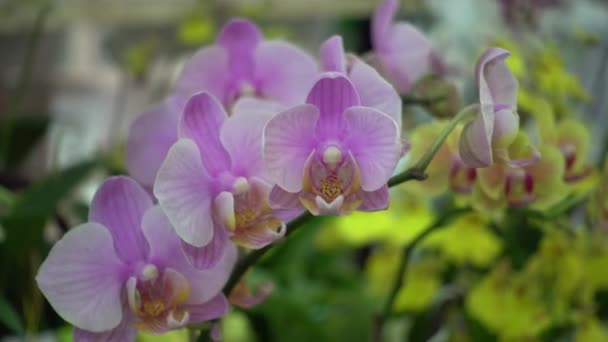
[[182, 190], [242, 297], [150, 137], [82, 278], [124, 332], [216, 307], [496, 83], [281, 199], [240, 37], [475, 139], [374, 200], [288, 141], [208, 70], [284, 72], [332, 55], [382, 21], [332, 94], [202, 119], [242, 135], [373, 139], [166, 251], [208, 256], [260, 234], [119, 204], [375, 91], [329, 209]]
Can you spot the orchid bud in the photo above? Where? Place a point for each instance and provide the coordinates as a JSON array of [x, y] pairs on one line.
[[487, 138]]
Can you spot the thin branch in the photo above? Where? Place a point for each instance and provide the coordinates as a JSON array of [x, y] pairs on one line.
[[402, 270]]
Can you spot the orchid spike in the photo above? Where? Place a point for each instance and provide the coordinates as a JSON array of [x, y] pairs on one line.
[[331, 155], [124, 270]]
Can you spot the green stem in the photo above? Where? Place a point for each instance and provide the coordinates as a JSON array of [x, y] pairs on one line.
[[464, 115], [416, 172], [400, 276], [16, 99], [244, 264]]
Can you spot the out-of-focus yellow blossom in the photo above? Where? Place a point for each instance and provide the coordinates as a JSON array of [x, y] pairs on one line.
[[516, 61], [446, 171], [549, 74], [596, 249], [543, 77], [479, 248], [406, 217], [557, 272], [196, 29], [539, 185], [235, 327], [422, 279], [508, 305]]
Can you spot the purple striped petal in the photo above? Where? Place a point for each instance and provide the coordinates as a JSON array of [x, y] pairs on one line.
[[332, 94], [374, 91], [332, 55], [240, 37], [119, 205], [476, 139], [284, 72], [183, 191], [497, 85], [375, 200], [208, 70], [288, 142], [202, 120], [373, 139], [82, 278], [215, 308], [150, 137], [124, 332], [242, 134], [166, 251], [208, 256]]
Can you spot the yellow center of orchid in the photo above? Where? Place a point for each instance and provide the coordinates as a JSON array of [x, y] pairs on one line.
[[245, 217], [153, 308], [156, 299], [330, 187]]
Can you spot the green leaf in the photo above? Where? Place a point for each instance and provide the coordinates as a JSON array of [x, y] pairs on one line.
[[9, 317], [25, 223], [27, 132]]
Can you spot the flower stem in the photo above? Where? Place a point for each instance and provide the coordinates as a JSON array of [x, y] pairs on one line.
[[402, 270], [464, 115], [244, 264]]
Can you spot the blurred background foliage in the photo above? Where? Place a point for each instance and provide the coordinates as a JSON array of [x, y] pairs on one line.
[[74, 75]]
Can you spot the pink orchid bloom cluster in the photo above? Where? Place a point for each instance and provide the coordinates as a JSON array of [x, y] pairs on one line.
[[255, 133]]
